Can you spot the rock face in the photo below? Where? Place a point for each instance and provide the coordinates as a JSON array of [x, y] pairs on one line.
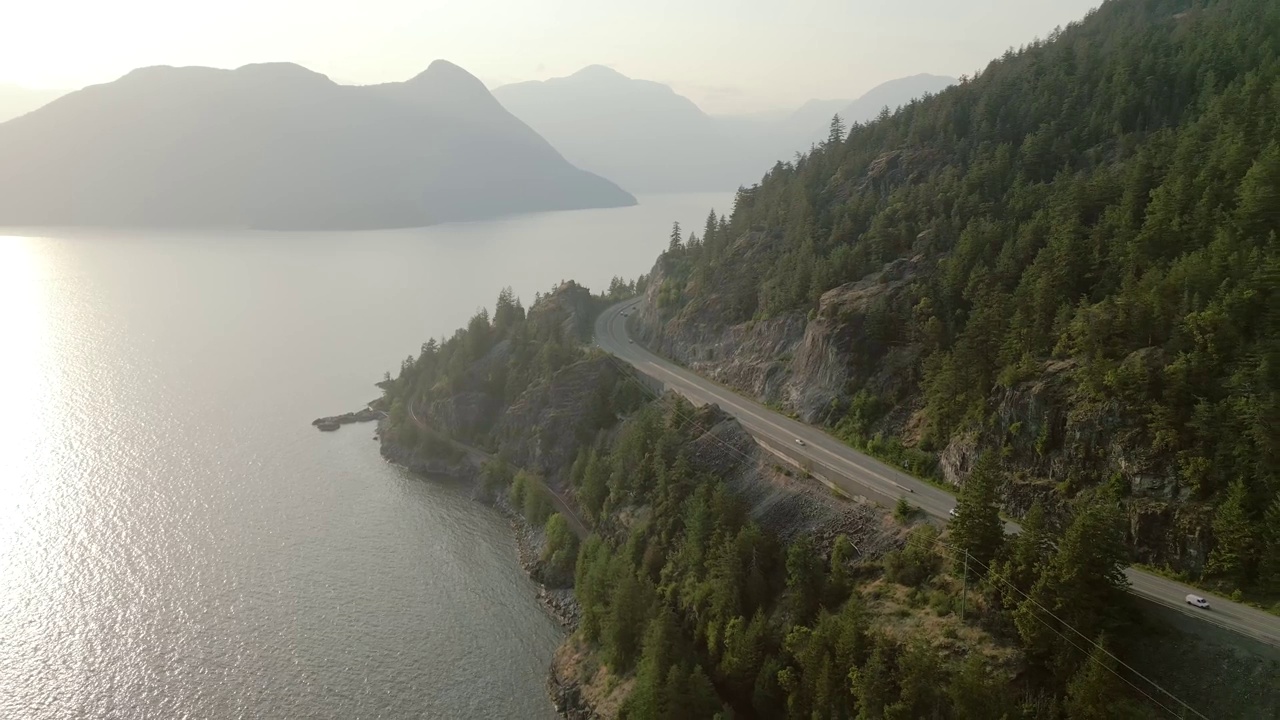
[[426, 460], [570, 305], [814, 365], [845, 345], [543, 430], [781, 498], [806, 365]]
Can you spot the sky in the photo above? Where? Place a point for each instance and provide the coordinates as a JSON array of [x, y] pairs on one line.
[[729, 56]]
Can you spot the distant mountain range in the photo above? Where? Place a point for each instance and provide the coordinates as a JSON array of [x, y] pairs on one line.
[[647, 138], [279, 146], [812, 120], [638, 133]]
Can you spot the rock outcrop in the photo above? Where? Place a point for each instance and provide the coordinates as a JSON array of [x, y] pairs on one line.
[[543, 430], [1052, 443], [334, 421]]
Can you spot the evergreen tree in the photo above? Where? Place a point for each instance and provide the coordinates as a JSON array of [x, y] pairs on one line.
[[837, 132], [1234, 542], [1269, 568], [976, 528], [1028, 552], [620, 631], [804, 580], [674, 245], [974, 694], [873, 683], [654, 696], [838, 581], [920, 686], [1081, 590], [1096, 692]]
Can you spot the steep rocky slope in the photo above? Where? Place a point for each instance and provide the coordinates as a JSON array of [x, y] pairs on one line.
[[1048, 262]]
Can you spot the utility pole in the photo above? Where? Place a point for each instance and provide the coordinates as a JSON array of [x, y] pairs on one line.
[[964, 595]]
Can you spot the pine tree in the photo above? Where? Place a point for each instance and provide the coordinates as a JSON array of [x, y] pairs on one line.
[[976, 528], [1234, 542], [838, 581], [919, 677], [674, 245], [1269, 568], [872, 683], [1096, 692], [836, 134], [974, 694], [652, 696], [710, 238], [804, 580], [1259, 197], [620, 631], [1028, 552], [1082, 587]]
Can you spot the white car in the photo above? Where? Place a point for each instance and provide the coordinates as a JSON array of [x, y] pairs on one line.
[[799, 442], [952, 512], [1197, 601]]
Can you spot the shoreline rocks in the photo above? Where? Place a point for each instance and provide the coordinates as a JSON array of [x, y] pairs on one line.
[[333, 422]]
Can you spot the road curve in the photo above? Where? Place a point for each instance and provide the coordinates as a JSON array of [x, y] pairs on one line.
[[858, 474]]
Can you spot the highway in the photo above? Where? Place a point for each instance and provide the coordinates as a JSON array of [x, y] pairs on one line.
[[859, 475]]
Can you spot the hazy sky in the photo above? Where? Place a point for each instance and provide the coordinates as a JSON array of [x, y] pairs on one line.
[[727, 55]]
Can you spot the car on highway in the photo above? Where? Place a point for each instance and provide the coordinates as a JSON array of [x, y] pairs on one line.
[[630, 341], [799, 442], [1198, 601]]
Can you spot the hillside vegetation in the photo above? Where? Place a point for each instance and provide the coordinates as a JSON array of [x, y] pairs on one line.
[[712, 582], [1069, 261]]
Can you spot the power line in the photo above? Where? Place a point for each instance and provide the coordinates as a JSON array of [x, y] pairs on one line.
[[989, 574], [628, 373]]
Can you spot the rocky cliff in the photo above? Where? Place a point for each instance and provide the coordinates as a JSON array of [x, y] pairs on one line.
[[816, 365]]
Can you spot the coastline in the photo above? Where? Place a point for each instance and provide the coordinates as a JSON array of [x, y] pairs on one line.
[[560, 603]]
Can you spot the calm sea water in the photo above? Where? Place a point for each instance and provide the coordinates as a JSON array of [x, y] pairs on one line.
[[176, 541]]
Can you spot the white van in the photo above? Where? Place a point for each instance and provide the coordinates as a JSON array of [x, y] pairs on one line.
[[1198, 601]]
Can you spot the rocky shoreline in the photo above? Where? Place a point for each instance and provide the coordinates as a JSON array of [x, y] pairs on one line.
[[565, 694], [333, 422], [558, 601]]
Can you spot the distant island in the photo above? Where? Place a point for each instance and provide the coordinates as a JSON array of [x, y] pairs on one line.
[[277, 146]]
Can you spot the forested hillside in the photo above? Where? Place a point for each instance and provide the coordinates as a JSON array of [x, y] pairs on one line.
[[712, 582], [1070, 259]]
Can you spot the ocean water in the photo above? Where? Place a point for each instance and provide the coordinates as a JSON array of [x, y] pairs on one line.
[[176, 540]]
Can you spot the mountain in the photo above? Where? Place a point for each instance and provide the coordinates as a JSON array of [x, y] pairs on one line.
[[279, 146], [15, 101], [638, 133], [893, 94], [648, 138], [811, 122], [1067, 265]]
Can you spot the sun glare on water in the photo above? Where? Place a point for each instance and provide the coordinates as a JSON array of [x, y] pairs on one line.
[[24, 374]]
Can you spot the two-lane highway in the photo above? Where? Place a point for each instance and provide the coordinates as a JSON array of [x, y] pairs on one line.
[[858, 474]]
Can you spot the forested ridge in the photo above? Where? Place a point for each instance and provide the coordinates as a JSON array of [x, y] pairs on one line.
[[703, 613], [696, 602], [690, 607], [1089, 222]]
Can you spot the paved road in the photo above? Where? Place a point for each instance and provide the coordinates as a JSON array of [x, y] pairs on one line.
[[860, 475]]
